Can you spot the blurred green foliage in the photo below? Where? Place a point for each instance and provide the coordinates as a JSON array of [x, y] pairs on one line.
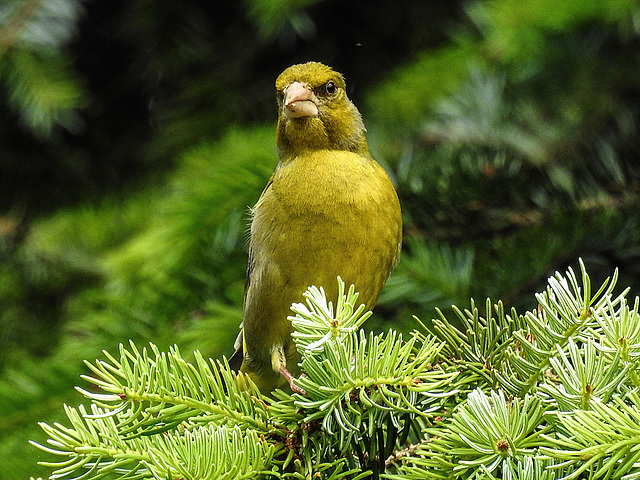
[[134, 136]]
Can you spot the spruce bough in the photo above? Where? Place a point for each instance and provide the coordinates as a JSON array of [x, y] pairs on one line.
[[549, 394]]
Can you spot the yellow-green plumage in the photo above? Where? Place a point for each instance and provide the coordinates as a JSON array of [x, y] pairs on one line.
[[329, 209]]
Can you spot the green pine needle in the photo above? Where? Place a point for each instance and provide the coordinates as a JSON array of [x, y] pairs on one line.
[[315, 324], [548, 395]]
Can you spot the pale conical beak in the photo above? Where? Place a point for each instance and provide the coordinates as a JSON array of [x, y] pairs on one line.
[[299, 101]]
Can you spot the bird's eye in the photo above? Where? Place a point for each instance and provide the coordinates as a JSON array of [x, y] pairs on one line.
[[330, 88]]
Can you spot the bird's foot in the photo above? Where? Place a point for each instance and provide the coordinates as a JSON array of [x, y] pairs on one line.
[[290, 378]]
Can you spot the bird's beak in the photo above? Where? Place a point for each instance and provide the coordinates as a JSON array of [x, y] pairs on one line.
[[299, 101]]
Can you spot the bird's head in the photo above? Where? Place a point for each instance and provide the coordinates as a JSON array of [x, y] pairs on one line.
[[314, 112]]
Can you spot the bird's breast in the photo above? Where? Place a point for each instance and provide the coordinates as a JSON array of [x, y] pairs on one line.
[[327, 201], [328, 182]]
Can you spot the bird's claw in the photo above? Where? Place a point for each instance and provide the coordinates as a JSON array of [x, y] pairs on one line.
[[290, 378]]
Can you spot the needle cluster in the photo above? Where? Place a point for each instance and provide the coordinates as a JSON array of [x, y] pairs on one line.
[[551, 394]]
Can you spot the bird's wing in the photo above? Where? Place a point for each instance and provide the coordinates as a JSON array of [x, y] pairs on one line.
[[238, 356], [235, 362]]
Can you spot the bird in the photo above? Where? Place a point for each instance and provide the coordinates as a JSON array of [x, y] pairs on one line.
[[328, 210]]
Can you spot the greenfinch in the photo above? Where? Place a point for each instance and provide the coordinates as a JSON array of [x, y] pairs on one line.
[[328, 210]]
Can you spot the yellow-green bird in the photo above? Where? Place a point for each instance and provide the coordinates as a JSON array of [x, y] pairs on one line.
[[328, 210]]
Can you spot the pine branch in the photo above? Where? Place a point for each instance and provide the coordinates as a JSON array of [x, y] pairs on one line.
[[618, 333], [583, 376], [95, 444], [443, 404], [565, 310], [315, 324], [480, 348], [488, 431], [93, 447], [148, 393], [603, 440]]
